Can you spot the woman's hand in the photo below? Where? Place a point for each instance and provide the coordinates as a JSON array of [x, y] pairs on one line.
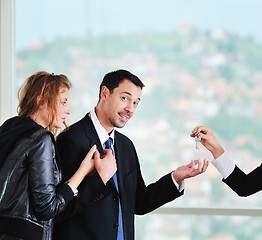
[[88, 163], [208, 140], [86, 167]]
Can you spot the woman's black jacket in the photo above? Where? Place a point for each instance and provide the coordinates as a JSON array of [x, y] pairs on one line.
[[30, 190]]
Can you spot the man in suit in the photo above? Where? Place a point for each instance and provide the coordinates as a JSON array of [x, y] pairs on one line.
[[241, 183], [104, 210]]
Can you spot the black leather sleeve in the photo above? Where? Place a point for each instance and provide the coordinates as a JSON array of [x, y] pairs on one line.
[[45, 201]]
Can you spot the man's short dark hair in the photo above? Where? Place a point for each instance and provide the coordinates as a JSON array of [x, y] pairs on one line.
[[112, 80]]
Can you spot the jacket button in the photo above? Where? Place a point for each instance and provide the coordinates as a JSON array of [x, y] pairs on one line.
[[115, 198], [115, 225]]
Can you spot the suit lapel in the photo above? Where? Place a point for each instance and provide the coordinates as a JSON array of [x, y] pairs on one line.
[[91, 133]]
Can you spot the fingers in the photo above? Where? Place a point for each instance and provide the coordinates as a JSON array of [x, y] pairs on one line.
[[91, 152], [194, 168], [201, 166], [191, 164], [205, 165], [106, 166], [201, 131], [107, 151], [198, 163]]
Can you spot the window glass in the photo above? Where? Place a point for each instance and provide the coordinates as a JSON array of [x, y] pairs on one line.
[[201, 63]]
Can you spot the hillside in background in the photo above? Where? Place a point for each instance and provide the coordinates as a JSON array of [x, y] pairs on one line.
[[221, 71]]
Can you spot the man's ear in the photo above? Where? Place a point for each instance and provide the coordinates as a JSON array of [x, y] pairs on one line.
[[104, 92]]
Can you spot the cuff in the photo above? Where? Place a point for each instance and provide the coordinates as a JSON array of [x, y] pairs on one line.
[[66, 192], [73, 188], [179, 185], [224, 165]]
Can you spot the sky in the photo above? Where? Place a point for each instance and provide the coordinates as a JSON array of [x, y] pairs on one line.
[[45, 20]]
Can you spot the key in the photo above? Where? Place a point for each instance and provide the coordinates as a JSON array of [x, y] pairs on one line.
[[197, 139]]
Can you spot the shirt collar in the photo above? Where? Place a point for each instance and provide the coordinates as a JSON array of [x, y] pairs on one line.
[[101, 132]]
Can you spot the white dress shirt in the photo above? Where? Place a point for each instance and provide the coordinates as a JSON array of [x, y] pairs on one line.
[[101, 132], [224, 165]]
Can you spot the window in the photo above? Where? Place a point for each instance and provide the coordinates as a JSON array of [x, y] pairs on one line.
[[201, 64]]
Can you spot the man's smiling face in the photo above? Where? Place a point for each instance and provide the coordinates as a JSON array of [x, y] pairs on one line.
[[120, 105]]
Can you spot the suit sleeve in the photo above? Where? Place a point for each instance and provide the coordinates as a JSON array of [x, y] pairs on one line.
[[71, 152], [155, 194], [245, 184], [151, 197]]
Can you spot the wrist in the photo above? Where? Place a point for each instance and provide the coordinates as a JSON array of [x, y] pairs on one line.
[[217, 152], [176, 178], [73, 188]]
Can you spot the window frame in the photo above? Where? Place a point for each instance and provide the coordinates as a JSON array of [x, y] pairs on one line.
[[209, 211], [7, 58], [7, 108]]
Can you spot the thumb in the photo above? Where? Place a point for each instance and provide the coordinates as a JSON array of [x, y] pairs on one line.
[[203, 135], [91, 151], [190, 164], [107, 151], [96, 155]]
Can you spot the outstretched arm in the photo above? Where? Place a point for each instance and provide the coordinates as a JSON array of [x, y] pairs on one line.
[[243, 184]]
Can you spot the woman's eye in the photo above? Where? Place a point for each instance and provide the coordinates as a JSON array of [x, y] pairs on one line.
[[124, 98], [63, 103]]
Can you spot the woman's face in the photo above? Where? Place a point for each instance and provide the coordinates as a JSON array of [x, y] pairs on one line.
[[62, 109]]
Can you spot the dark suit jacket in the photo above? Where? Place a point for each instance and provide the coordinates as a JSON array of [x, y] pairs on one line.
[[93, 214], [245, 184]]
